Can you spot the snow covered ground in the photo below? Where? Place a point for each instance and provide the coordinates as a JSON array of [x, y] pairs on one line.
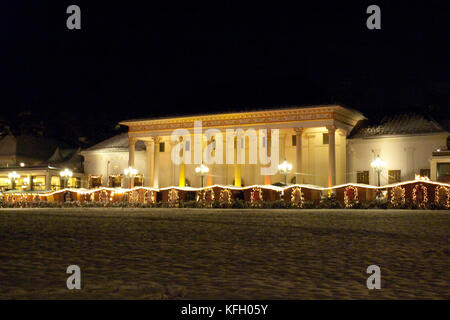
[[223, 254]]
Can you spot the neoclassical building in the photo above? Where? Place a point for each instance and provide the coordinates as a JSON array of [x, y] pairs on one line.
[[326, 145]]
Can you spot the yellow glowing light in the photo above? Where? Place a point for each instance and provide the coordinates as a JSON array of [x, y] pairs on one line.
[[130, 171], [202, 169], [285, 167], [66, 173], [378, 164]]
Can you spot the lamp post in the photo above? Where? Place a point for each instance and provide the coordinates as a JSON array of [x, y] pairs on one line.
[[65, 175], [130, 172], [284, 169], [13, 176], [202, 170], [378, 165]]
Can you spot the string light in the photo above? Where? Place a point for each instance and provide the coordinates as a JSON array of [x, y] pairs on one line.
[[347, 199], [416, 188]]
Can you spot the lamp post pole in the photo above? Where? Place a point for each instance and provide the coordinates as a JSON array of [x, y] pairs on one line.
[[65, 175], [284, 169], [130, 173], [378, 165], [202, 170], [12, 177]]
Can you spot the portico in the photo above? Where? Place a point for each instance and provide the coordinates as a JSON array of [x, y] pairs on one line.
[[313, 139]]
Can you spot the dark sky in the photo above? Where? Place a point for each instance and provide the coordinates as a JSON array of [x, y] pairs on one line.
[[177, 58]]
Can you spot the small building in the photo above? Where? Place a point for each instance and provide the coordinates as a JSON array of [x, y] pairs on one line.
[[409, 144], [36, 163]]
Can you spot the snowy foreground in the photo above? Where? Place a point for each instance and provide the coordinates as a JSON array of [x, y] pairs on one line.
[[223, 254]]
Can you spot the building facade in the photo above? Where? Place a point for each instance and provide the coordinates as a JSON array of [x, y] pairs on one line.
[[308, 138], [34, 163], [326, 146]]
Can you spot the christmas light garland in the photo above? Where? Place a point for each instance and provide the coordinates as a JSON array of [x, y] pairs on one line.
[[252, 195], [347, 200], [150, 196], [173, 196], [416, 188], [297, 190], [397, 195], [228, 196], [443, 199]]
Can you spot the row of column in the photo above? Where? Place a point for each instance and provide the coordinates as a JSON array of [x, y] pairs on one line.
[[152, 146]]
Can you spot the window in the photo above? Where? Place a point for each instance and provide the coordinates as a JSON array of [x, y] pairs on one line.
[[4, 183], [162, 146], [55, 183], [95, 181], [443, 172], [139, 180], [394, 176], [115, 181], [425, 173], [325, 138], [294, 140], [362, 177], [39, 183]]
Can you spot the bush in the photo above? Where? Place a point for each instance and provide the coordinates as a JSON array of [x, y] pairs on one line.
[[329, 203]]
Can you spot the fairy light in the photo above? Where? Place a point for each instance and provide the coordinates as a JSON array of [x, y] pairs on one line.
[[347, 199], [228, 196], [299, 192], [397, 195], [252, 195], [416, 188], [439, 198]]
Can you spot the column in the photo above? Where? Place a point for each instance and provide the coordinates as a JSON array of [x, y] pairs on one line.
[[331, 156], [150, 149], [298, 155], [157, 140], [267, 180], [237, 175], [182, 175], [131, 151], [237, 166]]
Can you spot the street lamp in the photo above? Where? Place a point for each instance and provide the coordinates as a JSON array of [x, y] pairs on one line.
[[13, 176], [65, 175], [284, 169], [130, 172], [202, 170], [378, 165]]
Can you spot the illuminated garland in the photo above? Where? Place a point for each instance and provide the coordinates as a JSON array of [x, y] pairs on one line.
[[416, 188], [134, 196], [225, 196], [347, 200], [252, 195], [173, 196], [443, 198], [396, 192], [201, 195], [103, 197], [150, 197], [297, 191], [397, 195]]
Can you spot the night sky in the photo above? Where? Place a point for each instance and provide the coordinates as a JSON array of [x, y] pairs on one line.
[[178, 58]]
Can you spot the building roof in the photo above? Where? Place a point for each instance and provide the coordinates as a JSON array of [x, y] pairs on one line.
[[401, 124], [116, 143], [241, 111]]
